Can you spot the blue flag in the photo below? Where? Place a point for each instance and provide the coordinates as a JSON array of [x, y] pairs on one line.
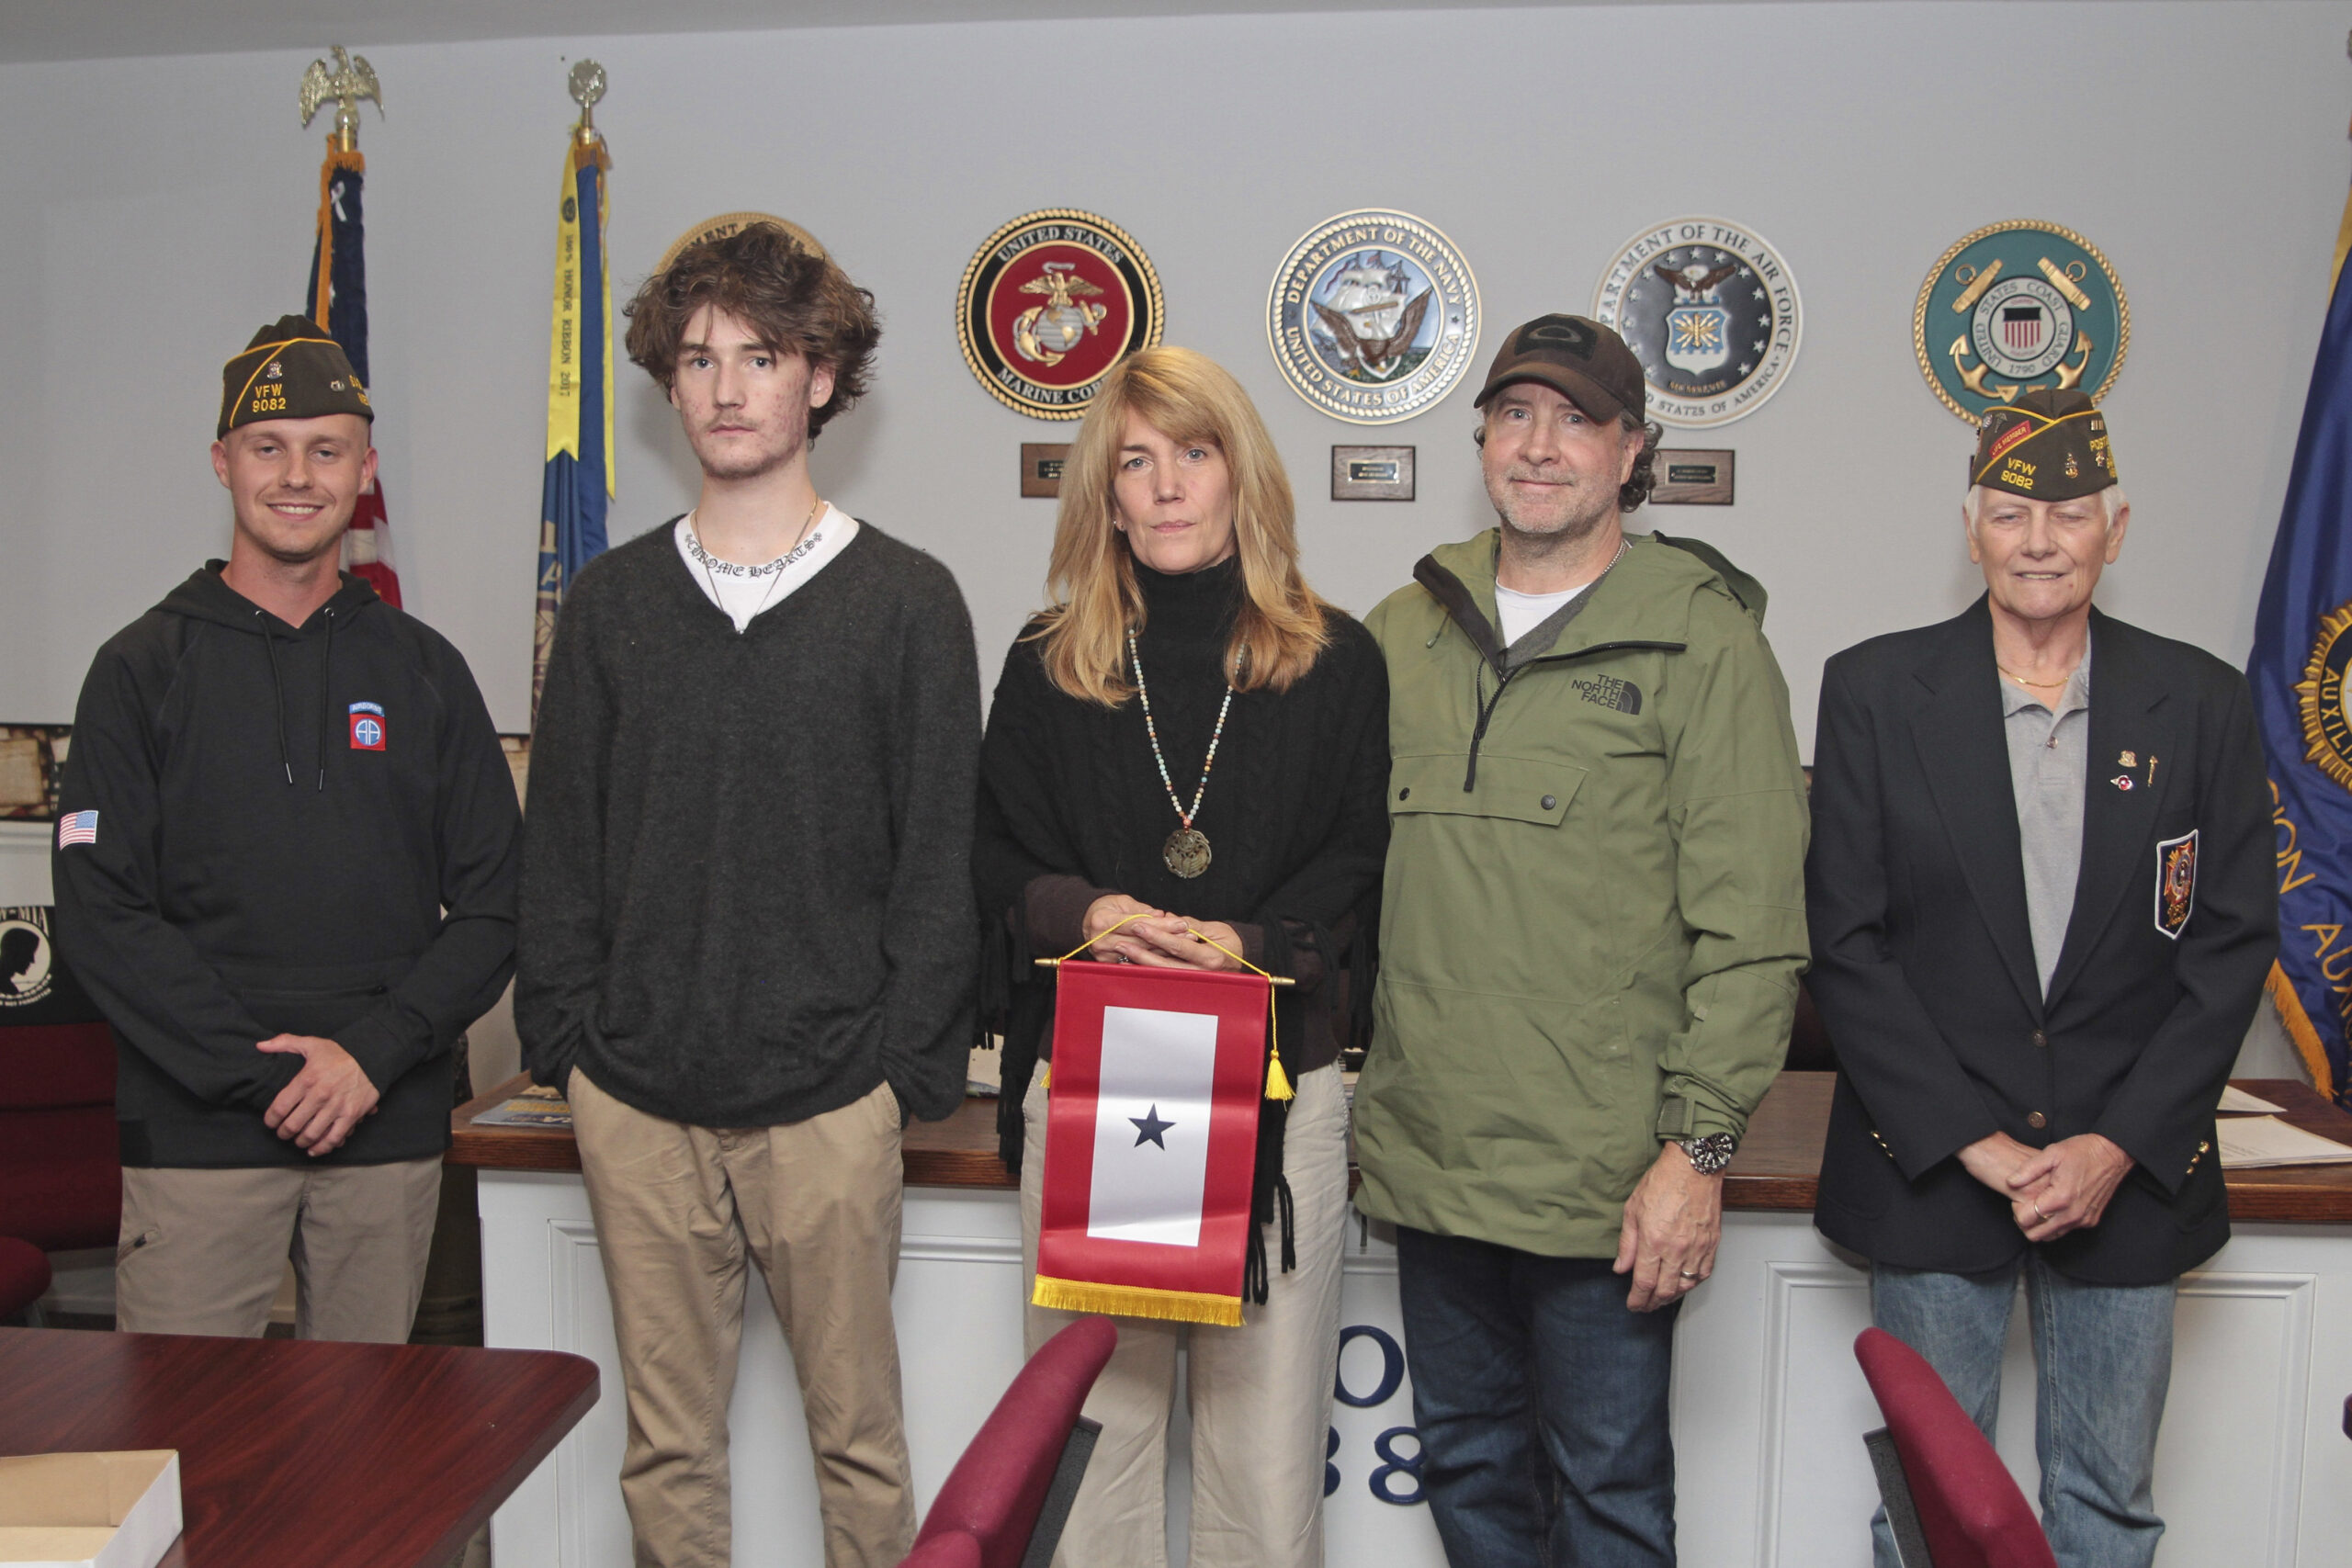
[[2300, 652], [579, 481]]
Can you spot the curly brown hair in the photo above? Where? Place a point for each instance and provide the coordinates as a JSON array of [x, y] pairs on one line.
[[1643, 480], [800, 302]]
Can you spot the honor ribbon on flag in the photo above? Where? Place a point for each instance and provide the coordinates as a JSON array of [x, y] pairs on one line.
[[578, 482], [1151, 1133]]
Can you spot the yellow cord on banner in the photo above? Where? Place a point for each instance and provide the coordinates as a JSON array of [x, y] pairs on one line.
[[1278, 1085]]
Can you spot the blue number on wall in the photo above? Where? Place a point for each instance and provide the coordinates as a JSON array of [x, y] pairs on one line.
[[1385, 1446], [1331, 1471], [1392, 1366]]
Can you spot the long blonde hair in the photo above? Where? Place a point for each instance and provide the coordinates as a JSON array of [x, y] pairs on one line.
[[1185, 396]]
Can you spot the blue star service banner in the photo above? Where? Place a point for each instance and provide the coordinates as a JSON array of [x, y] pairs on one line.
[[2300, 652], [579, 481]]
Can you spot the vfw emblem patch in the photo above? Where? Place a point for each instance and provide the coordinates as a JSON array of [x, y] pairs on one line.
[[367, 727], [2176, 883]]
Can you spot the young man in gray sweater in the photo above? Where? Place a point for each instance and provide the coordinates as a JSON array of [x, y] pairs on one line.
[[746, 949]]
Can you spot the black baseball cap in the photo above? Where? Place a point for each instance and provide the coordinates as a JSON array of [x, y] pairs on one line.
[[1579, 358]]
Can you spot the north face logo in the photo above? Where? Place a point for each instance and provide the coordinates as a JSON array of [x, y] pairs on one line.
[[1610, 691]]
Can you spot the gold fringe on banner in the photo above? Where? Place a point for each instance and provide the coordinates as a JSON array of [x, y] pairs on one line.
[[1128, 1301], [2299, 1029]]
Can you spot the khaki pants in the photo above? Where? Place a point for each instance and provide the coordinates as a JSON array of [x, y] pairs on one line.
[[1260, 1394], [202, 1251], [679, 1211]]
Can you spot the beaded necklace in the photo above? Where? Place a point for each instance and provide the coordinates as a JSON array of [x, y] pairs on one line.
[[1187, 848]]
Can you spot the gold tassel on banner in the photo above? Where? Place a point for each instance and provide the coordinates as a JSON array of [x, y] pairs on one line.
[[1121, 1300], [1278, 1085]]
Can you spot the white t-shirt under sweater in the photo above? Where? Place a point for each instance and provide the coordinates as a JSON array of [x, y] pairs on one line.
[[1523, 613], [743, 592]]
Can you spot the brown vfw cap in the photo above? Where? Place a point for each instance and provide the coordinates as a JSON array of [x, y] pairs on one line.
[[291, 370]]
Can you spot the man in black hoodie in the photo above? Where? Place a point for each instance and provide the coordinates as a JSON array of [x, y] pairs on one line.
[[285, 868]]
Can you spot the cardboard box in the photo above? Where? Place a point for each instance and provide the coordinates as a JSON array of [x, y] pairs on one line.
[[111, 1510]]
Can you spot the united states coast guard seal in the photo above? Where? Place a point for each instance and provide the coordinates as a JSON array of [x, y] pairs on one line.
[[1373, 316], [1710, 311], [1050, 304], [2016, 306]]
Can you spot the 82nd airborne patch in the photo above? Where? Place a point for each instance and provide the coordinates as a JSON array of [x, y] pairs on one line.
[[367, 727], [2176, 883]]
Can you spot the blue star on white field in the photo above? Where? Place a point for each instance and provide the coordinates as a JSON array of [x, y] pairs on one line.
[[1148, 1126]]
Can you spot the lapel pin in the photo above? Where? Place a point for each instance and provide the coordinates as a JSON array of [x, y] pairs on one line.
[[2151, 769], [2129, 760], [2121, 781]]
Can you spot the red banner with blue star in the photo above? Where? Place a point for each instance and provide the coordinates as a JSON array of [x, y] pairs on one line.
[[1151, 1136]]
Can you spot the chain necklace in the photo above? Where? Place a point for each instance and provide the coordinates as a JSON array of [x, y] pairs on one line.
[[1187, 848], [773, 570], [2037, 685]]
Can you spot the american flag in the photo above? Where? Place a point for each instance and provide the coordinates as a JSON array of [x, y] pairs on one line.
[[77, 827]]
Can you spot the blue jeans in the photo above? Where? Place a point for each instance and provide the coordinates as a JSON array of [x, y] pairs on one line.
[[1542, 1402], [2103, 1360]]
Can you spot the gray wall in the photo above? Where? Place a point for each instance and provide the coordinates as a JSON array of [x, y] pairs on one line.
[[159, 210]]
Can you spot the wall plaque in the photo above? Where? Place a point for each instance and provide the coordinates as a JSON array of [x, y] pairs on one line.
[[1372, 473], [1689, 476], [1041, 467]]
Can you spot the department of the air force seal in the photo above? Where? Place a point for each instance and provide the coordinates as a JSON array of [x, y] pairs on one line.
[[1710, 311], [1050, 304], [1373, 316], [2016, 306]]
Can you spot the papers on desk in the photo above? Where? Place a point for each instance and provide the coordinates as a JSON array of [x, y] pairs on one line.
[[2253, 1143], [543, 1108], [2236, 1102]]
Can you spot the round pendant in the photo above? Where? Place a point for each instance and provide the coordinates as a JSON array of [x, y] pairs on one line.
[[1186, 852]]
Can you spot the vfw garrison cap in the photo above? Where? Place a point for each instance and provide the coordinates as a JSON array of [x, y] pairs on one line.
[[2048, 445], [1580, 359], [291, 370]]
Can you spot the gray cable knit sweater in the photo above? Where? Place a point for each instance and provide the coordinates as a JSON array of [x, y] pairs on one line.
[[745, 897]]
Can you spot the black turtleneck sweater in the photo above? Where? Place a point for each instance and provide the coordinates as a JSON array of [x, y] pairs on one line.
[[1073, 808]]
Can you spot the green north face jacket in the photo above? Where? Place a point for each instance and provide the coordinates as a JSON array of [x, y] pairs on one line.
[[1594, 914]]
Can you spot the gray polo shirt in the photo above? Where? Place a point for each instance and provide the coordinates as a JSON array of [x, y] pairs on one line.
[[2048, 753]]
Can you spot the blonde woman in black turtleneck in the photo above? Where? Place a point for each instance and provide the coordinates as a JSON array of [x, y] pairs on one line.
[[1175, 582]]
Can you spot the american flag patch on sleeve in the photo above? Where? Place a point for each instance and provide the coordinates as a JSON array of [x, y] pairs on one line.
[[77, 827]]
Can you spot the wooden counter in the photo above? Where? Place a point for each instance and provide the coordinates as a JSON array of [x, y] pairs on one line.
[[1778, 1167]]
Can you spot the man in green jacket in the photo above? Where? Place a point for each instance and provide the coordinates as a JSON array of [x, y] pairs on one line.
[[1592, 930]]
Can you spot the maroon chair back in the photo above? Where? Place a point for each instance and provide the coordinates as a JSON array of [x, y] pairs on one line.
[[952, 1550], [1970, 1509], [60, 1176], [24, 1275], [998, 1488]]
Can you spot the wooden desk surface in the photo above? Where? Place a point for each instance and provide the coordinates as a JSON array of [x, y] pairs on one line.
[[1778, 1167], [300, 1451]]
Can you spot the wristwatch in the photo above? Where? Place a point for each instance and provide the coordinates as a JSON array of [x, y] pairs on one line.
[[1711, 1154]]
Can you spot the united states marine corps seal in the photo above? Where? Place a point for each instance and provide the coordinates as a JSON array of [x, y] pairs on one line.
[[1050, 304], [1710, 311], [1373, 316], [2017, 305]]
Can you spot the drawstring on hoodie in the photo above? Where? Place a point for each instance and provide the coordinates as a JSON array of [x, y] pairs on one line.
[[326, 707], [269, 641], [277, 685]]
